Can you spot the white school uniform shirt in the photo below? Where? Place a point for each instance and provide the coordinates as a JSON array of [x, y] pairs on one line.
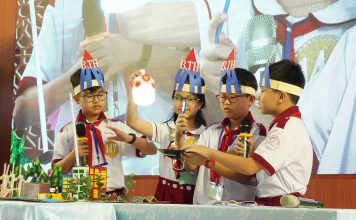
[[161, 135], [286, 156], [233, 190], [333, 130], [312, 50], [58, 43], [114, 150]]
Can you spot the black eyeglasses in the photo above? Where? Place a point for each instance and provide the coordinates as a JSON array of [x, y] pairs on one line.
[[90, 97], [189, 99], [232, 98]]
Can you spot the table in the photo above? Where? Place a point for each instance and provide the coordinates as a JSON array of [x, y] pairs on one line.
[[90, 210]]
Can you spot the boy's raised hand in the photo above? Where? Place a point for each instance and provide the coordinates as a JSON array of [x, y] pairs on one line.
[[120, 135]]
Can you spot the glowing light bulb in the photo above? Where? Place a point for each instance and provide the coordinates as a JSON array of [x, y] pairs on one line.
[[143, 89]]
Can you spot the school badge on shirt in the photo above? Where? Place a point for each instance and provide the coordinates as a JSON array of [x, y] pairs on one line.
[[112, 148], [190, 140]]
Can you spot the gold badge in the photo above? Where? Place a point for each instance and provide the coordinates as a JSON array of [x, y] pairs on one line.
[[190, 140], [112, 148], [314, 54]]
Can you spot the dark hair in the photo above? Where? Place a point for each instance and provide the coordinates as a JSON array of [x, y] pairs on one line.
[[245, 78], [75, 80], [288, 72], [199, 117]]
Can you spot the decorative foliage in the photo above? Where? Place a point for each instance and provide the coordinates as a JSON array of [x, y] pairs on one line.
[[18, 155], [99, 180], [56, 176], [37, 173], [129, 182], [79, 189]]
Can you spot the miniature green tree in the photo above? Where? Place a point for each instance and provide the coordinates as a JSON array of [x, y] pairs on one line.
[[56, 176], [36, 171], [99, 180], [18, 155]]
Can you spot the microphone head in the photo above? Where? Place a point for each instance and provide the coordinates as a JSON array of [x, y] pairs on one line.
[[245, 126], [260, 41], [289, 201], [80, 129]]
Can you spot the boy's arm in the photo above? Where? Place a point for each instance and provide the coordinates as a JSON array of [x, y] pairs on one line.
[[144, 146], [246, 166], [140, 143], [67, 162], [230, 174], [63, 155], [193, 161]]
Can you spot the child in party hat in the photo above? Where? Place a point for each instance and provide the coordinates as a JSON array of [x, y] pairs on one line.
[[108, 140], [176, 184]]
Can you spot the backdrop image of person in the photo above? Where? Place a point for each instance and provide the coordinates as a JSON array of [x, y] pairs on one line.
[[131, 42]]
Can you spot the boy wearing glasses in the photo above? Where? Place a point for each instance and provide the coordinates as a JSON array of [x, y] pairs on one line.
[[282, 163], [108, 140], [215, 182]]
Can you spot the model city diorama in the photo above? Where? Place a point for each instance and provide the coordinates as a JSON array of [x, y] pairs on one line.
[[32, 183]]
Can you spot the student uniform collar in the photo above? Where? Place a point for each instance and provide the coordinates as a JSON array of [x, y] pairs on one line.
[[225, 122], [329, 16], [82, 118], [197, 131], [282, 118]]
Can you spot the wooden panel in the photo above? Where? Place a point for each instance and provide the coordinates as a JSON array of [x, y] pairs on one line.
[[335, 191], [144, 186], [8, 13]]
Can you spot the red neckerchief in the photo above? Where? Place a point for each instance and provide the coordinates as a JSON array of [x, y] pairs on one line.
[[287, 32], [290, 112], [226, 141], [300, 28], [91, 127], [178, 164]]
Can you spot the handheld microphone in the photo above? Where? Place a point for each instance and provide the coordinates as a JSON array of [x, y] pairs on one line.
[[291, 201], [245, 129], [260, 41], [80, 130]]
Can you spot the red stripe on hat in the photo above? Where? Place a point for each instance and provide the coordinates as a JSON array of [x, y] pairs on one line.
[[229, 63], [88, 61], [190, 62]]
